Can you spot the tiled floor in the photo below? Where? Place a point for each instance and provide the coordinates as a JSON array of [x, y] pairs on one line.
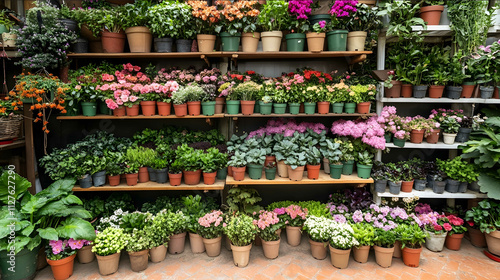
[[297, 263]]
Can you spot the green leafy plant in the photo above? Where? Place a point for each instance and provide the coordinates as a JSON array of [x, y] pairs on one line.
[[171, 19], [157, 230], [195, 92], [402, 15], [188, 158], [256, 156], [5, 21], [458, 169], [135, 220], [412, 236], [364, 233], [111, 20], [110, 241], [364, 19], [181, 96], [240, 230], [138, 240], [136, 14], [177, 222], [243, 199], [485, 216], [247, 90], [313, 156], [384, 238], [273, 16], [331, 151]]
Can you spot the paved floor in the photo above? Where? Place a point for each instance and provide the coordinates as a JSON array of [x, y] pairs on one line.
[[297, 263]]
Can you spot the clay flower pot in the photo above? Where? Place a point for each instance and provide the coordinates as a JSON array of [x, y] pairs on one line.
[[436, 91], [85, 254], [206, 43], [493, 241], [318, 249], [315, 41], [176, 243], [108, 264], [62, 269], [406, 90], [213, 246], [241, 255], [139, 39], [282, 169], [363, 107], [323, 107], [114, 180], [293, 236], [143, 175], [269, 159], [196, 242], [477, 238], [132, 179], [209, 178], [119, 112], [313, 171], [148, 108], [433, 138], [192, 177], [132, 111], [250, 41], [113, 42], [454, 241], [239, 173], [361, 253], [411, 257], [394, 91], [247, 107], [383, 256], [164, 108], [219, 104], [271, 248], [407, 186], [431, 14], [175, 179], [417, 136], [138, 260], [339, 258], [158, 254], [180, 110], [295, 174], [194, 108]]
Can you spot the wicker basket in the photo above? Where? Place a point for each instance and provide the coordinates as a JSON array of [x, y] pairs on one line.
[[10, 127]]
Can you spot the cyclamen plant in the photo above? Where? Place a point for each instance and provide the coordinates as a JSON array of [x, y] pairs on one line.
[[267, 225], [295, 216], [211, 224], [319, 228]]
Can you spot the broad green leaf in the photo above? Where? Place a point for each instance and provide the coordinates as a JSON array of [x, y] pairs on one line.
[[48, 233], [12, 184], [76, 228], [489, 185]]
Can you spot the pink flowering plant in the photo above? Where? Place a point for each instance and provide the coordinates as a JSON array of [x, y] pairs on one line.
[[320, 27], [392, 123], [267, 225], [60, 249], [341, 13], [456, 225], [299, 11], [435, 223], [369, 132], [211, 224], [295, 216]]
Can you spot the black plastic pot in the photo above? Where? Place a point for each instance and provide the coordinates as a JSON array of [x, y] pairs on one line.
[[430, 181], [183, 45], [99, 178], [161, 175], [462, 187], [419, 91], [420, 185], [380, 185], [163, 45], [463, 135], [86, 181], [452, 186], [69, 24], [152, 174], [453, 92], [486, 92], [394, 188], [474, 186], [81, 45], [438, 187]]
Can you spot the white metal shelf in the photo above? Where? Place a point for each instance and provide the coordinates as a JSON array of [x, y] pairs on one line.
[[439, 145], [440, 30], [428, 193], [440, 100]]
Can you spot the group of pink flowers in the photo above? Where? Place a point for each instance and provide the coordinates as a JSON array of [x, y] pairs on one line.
[[59, 246], [214, 218], [296, 214], [287, 128], [300, 9], [343, 8], [266, 219], [369, 131]]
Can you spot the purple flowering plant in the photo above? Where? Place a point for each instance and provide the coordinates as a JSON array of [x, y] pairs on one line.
[[341, 13], [320, 26]]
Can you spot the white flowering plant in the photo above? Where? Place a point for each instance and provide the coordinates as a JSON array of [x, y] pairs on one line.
[[211, 224], [342, 237], [110, 241], [113, 221], [319, 228]]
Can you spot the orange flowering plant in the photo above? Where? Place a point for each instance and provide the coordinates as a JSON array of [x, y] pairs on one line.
[[232, 14], [43, 91], [206, 17]]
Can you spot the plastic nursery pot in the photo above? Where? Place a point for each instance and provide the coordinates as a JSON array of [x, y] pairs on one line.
[[176, 243], [309, 108], [420, 185], [222, 173], [463, 135], [180, 110], [361, 253], [316, 41], [336, 171], [337, 40], [183, 45], [89, 109], [294, 108], [206, 43], [313, 19], [163, 45], [209, 178], [356, 41], [383, 256], [108, 264], [326, 166], [250, 41], [81, 45], [85, 181], [364, 171], [436, 91], [119, 112], [467, 89], [293, 235], [239, 173], [407, 186], [192, 177], [213, 246], [143, 175], [230, 43], [219, 104], [282, 169], [295, 174], [175, 179], [433, 137], [380, 186], [452, 186], [337, 108], [435, 242], [323, 107], [247, 107], [411, 257], [139, 39], [103, 108], [431, 14], [449, 138], [438, 187], [339, 258], [85, 254], [194, 108], [148, 108], [233, 107], [462, 187], [208, 108], [138, 260], [394, 91], [417, 136], [241, 255], [114, 180], [350, 108], [348, 167], [99, 178], [486, 92], [399, 142], [158, 254], [363, 107], [161, 175], [25, 267], [270, 173], [313, 171], [279, 108], [456, 92], [255, 171], [406, 90], [454, 241], [420, 91], [196, 243], [271, 41], [394, 187], [318, 249], [265, 108], [132, 179], [295, 42], [269, 159], [132, 111]]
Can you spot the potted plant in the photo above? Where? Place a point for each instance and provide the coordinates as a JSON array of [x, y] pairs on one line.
[[177, 224], [364, 163], [158, 234], [238, 164], [438, 71], [456, 231], [331, 151], [160, 169], [433, 224], [295, 163], [450, 127], [164, 99], [211, 228], [195, 93], [206, 19], [232, 99], [364, 233], [298, 13], [241, 232], [270, 170], [483, 68], [486, 218], [112, 35], [208, 99], [5, 23], [114, 168], [108, 245], [136, 21], [340, 12], [247, 92], [189, 159], [250, 37], [384, 246], [319, 230], [294, 218], [210, 165], [418, 126], [313, 158], [179, 99], [393, 175], [362, 96], [431, 11], [412, 238], [418, 76], [379, 172], [268, 225], [341, 242], [255, 162], [141, 157], [456, 87], [364, 19], [230, 24], [272, 18], [175, 173]]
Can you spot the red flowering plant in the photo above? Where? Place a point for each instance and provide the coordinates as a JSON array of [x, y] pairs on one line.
[[267, 225], [316, 77], [295, 216], [211, 224], [435, 223], [455, 226]]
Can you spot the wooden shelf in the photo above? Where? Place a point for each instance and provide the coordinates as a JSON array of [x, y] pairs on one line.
[[428, 193], [14, 145], [147, 55], [298, 115], [441, 100], [324, 179], [439, 145], [153, 186], [140, 117]]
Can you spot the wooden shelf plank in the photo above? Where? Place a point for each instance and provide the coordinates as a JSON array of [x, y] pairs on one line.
[[140, 117], [428, 193], [441, 100], [298, 115], [439, 145], [153, 186], [14, 145], [324, 179], [147, 55]]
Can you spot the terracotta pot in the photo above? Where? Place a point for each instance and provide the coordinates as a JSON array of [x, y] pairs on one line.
[[318, 249], [206, 43], [495, 94], [247, 107], [397, 249], [119, 112], [209, 178], [282, 169], [113, 42], [194, 108], [241, 255], [361, 253], [313, 171], [477, 238], [148, 108], [213, 246], [158, 254], [138, 260], [114, 180], [417, 136], [219, 105], [196, 243], [467, 91], [143, 175], [433, 138], [192, 177], [85, 254], [108, 264], [62, 269], [493, 241], [239, 173], [230, 171], [175, 179], [293, 236], [139, 39], [132, 179], [363, 107], [315, 41], [411, 257], [339, 258], [250, 41], [271, 248], [431, 14], [295, 174], [164, 108], [394, 91], [406, 90], [323, 107], [269, 159], [271, 41], [454, 241], [180, 110], [356, 41], [132, 111], [176, 243], [436, 91], [383, 256]]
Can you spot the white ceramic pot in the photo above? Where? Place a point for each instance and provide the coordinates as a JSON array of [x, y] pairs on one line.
[[449, 138], [356, 41], [271, 41], [435, 242]]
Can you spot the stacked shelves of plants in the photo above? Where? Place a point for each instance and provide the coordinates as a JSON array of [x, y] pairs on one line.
[[440, 79]]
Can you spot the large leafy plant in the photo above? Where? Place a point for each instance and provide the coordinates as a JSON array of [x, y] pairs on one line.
[[244, 200], [240, 230], [136, 14], [273, 16], [171, 19], [485, 216], [402, 18]]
